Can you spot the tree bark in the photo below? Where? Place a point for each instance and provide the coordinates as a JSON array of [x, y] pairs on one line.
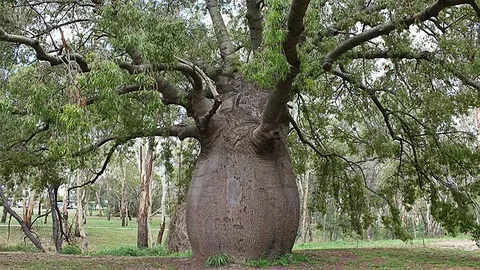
[[56, 218], [80, 216], [4, 215], [305, 214], [144, 206], [123, 201], [28, 210], [25, 227], [177, 230]]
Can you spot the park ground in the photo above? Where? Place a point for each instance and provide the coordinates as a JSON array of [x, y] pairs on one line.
[[107, 237]]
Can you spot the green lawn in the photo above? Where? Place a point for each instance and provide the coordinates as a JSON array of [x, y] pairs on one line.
[[101, 232]]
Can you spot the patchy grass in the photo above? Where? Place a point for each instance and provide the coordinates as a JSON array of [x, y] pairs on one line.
[[132, 251], [286, 260], [362, 258]]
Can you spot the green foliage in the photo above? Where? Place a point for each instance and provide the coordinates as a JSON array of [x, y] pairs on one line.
[[133, 251], [71, 249], [217, 260], [285, 260]]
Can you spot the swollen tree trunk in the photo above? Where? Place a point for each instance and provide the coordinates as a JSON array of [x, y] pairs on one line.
[[56, 218], [144, 206], [25, 227], [243, 199]]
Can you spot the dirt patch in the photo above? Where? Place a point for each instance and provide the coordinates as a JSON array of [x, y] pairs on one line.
[[462, 244]]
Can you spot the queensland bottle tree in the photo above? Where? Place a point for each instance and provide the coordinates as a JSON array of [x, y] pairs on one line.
[[372, 80]]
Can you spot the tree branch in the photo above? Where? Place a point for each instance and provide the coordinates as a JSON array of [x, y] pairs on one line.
[[255, 22], [279, 98], [386, 28], [227, 50], [54, 60]]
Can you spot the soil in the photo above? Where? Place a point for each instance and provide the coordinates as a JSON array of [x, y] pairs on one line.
[[463, 244], [323, 259]]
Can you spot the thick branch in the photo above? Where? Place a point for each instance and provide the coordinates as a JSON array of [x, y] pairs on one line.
[[255, 22], [227, 50], [54, 60], [276, 103], [385, 29]]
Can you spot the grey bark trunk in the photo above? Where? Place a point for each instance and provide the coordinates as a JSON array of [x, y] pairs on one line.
[[123, 202], [56, 218], [243, 199], [4, 215]]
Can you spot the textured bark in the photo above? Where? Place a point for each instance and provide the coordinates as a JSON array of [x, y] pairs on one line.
[[81, 216], [123, 201], [4, 215], [28, 209], [144, 206], [243, 199], [56, 218], [177, 231]]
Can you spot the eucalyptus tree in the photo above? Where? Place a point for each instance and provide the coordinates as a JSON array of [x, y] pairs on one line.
[[127, 69]]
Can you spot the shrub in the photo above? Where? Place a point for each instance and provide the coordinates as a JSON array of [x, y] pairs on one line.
[[217, 260]]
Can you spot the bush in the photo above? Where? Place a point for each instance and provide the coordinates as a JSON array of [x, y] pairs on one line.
[[71, 249], [285, 260], [217, 260]]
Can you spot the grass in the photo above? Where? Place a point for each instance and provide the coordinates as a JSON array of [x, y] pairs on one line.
[[132, 251], [217, 260], [286, 260], [102, 233]]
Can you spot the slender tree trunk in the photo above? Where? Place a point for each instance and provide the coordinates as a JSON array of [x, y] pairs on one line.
[[123, 201], [305, 222], [28, 211], [25, 228], [56, 218], [40, 197], [99, 201], [4, 215], [144, 206], [163, 210], [109, 208], [80, 220]]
